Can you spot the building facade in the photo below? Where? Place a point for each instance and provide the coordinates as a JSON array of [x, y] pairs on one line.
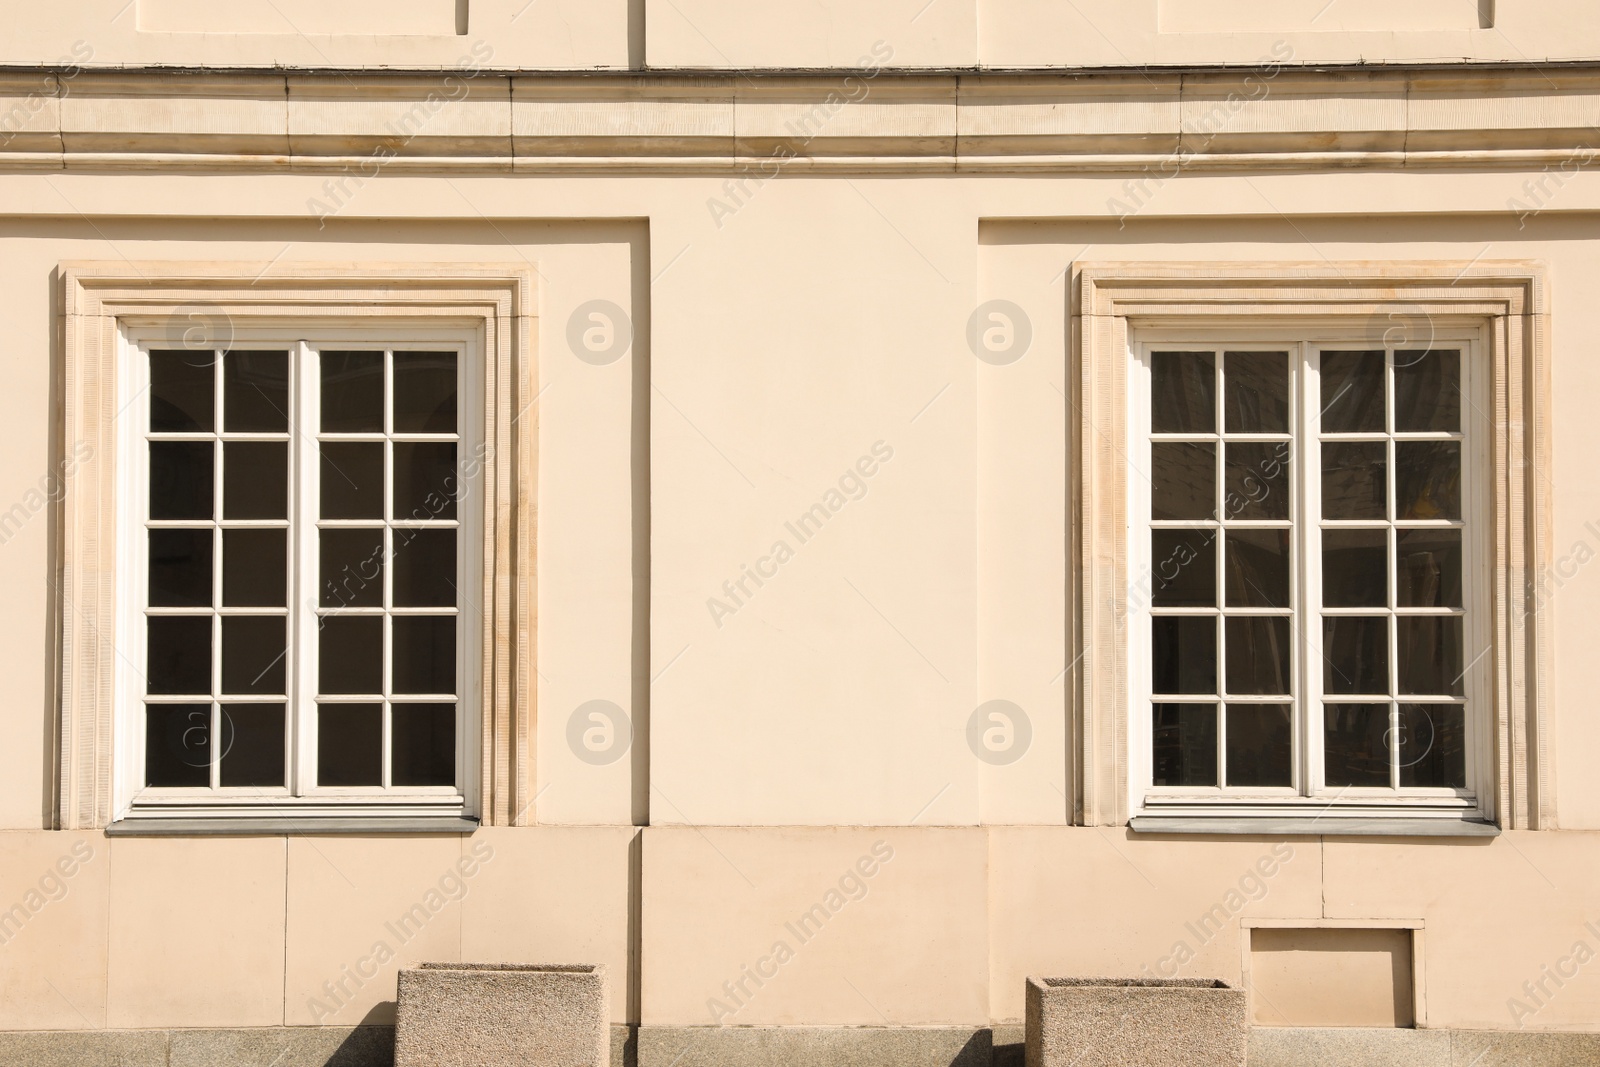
[[825, 508]]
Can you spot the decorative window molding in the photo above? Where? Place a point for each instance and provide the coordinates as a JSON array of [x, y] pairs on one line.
[[1505, 302], [199, 306]]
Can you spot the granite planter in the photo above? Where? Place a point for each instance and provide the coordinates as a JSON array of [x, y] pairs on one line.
[[1135, 1022], [488, 1014]]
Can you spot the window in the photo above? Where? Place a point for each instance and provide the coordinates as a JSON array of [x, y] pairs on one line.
[[304, 540], [1304, 546]]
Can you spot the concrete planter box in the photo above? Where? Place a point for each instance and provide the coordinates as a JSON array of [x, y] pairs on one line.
[[487, 1014], [1135, 1022]]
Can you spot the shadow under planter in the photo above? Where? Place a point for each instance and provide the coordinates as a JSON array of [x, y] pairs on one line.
[[487, 1014], [1135, 1022]]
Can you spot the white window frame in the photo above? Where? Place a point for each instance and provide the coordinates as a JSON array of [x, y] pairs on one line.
[[300, 799], [1309, 795]]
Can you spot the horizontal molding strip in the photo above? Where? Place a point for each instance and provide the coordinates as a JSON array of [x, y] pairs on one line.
[[1154, 125]]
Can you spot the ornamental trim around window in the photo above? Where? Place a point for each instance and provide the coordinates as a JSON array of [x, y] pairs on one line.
[[1496, 308], [112, 313]]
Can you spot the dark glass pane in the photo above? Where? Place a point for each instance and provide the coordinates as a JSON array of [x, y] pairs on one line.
[[1354, 482], [1352, 392], [1429, 568], [1433, 746], [424, 568], [425, 480], [252, 739], [1257, 568], [352, 568], [350, 744], [424, 654], [254, 656], [1255, 392], [352, 480], [1184, 654], [1427, 391], [255, 480], [180, 568], [1260, 745], [424, 392], [183, 389], [1185, 568], [422, 740], [255, 391], [1355, 568], [1258, 655], [178, 654], [1355, 745], [1430, 655], [177, 745], [352, 392], [1257, 476], [350, 654], [182, 479], [255, 568], [1184, 744], [1355, 654], [1183, 392], [1427, 479], [1183, 480]]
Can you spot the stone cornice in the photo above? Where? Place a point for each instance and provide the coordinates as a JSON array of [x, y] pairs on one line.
[[1157, 123]]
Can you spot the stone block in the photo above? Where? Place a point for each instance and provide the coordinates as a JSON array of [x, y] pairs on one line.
[[1135, 1022], [528, 1015]]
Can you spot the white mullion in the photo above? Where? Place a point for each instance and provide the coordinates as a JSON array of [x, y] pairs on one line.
[[1309, 712], [1391, 479], [1219, 502], [385, 708], [305, 378]]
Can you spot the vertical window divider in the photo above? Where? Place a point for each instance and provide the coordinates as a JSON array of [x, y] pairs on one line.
[[304, 567]]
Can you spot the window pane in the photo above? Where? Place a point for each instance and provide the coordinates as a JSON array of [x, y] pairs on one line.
[[352, 568], [1185, 654], [1255, 395], [255, 568], [180, 568], [424, 568], [1260, 745], [423, 744], [1427, 391], [1429, 568], [178, 654], [1257, 568], [1257, 480], [253, 745], [182, 392], [424, 659], [1183, 480], [350, 654], [255, 390], [181, 479], [255, 480], [1355, 568], [1185, 566], [1430, 655], [1258, 655], [1427, 479], [177, 745], [1433, 746], [350, 744], [1355, 654], [1352, 392], [1183, 391], [424, 392], [352, 392], [352, 480], [1355, 742], [424, 480], [1354, 480], [254, 655], [1184, 744]]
